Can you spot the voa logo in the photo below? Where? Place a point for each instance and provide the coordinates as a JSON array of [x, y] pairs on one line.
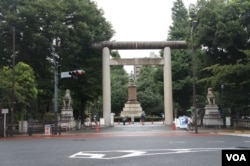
[[236, 157]]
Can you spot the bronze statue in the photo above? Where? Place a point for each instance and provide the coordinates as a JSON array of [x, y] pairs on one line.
[[210, 97], [67, 99]]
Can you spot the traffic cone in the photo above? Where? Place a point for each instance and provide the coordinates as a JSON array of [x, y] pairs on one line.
[[173, 126], [97, 128], [90, 124]]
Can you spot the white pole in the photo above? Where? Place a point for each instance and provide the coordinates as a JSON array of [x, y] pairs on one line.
[[4, 126]]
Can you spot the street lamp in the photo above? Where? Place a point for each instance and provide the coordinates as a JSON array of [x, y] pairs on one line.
[[54, 60], [194, 23]]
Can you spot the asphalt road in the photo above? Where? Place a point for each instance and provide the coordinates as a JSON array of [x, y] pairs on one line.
[[128, 146]]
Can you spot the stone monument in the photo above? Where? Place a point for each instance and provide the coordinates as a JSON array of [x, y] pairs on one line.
[[67, 119], [132, 107], [212, 116]]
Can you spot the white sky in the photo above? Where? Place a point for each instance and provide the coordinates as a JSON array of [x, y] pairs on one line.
[[139, 20]]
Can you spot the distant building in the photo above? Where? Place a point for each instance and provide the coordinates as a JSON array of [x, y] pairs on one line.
[[137, 68]]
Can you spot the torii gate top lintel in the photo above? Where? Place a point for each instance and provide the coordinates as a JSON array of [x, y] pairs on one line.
[[140, 45]]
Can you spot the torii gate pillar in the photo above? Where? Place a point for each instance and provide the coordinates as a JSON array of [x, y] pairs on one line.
[[106, 86], [168, 97]]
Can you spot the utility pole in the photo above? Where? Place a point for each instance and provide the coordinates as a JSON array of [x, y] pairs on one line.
[[194, 23], [13, 80], [54, 60]]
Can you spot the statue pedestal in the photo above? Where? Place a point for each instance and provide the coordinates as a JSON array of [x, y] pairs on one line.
[[212, 116], [132, 109], [67, 119]]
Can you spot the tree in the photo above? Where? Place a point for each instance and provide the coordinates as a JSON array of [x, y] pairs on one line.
[[24, 87], [119, 86], [148, 91], [223, 33], [181, 59], [235, 84], [77, 23]]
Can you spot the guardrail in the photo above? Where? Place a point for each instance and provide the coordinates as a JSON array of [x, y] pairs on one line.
[[241, 123]]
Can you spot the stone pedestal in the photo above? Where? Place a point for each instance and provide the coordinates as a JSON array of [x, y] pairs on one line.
[[132, 110], [132, 107], [67, 121], [212, 116]]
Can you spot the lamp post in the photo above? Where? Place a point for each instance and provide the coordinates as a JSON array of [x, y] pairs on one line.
[[54, 60], [194, 23]]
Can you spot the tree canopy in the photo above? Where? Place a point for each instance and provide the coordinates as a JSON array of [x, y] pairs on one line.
[[223, 35], [76, 24]]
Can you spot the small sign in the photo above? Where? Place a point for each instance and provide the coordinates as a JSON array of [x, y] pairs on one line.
[[5, 111], [65, 75], [183, 122], [47, 130], [228, 121]]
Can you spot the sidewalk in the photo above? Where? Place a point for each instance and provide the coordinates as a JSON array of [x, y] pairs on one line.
[[148, 128]]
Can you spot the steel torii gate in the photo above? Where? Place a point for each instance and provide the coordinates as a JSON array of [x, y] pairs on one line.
[[106, 46]]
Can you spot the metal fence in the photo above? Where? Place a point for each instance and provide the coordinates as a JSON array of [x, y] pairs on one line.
[[245, 123]]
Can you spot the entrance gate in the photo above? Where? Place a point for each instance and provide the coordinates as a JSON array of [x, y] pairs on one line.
[[106, 46]]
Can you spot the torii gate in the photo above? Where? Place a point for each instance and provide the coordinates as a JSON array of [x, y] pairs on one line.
[[106, 46]]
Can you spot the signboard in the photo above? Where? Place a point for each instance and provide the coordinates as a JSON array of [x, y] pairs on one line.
[[47, 130], [5, 111], [228, 121], [183, 122], [65, 75]]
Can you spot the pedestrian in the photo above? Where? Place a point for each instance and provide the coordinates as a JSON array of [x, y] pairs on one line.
[[190, 123], [95, 120], [142, 117], [124, 119]]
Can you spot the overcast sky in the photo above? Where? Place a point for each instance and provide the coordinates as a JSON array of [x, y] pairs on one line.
[[139, 20]]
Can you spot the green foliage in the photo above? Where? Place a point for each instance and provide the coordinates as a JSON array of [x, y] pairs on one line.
[[119, 88], [77, 23], [179, 29], [25, 83], [22, 81], [181, 59], [234, 79], [223, 33], [148, 91]]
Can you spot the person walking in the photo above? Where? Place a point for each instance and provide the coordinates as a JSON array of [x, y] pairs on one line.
[[142, 117], [124, 119]]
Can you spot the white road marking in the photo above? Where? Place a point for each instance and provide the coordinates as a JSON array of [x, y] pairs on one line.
[[87, 155], [215, 141], [117, 154], [232, 134], [177, 142], [132, 153]]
